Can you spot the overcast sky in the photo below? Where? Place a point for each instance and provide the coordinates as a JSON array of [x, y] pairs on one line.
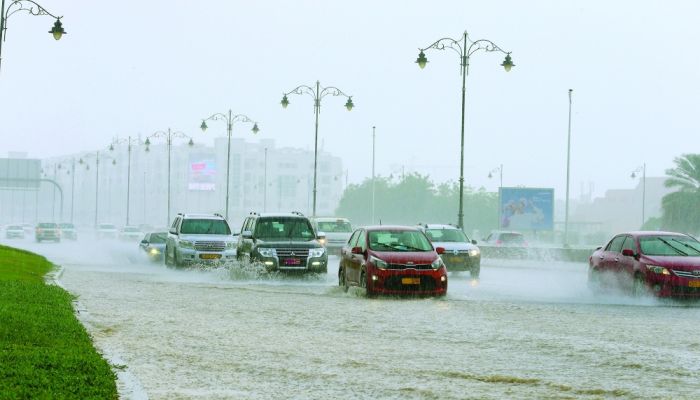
[[133, 67]]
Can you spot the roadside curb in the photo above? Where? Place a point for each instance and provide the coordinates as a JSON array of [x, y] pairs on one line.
[[128, 385]]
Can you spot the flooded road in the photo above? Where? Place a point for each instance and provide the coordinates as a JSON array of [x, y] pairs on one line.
[[526, 330]]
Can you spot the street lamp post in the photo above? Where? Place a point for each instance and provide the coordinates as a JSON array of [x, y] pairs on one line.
[[32, 8], [498, 169], [169, 136], [643, 169], [373, 176], [317, 93], [129, 140], [568, 158], [465, 48], [230, 119], [96, 155], [265, 184]]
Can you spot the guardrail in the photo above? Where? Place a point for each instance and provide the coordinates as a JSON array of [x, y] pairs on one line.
[[537, 253]]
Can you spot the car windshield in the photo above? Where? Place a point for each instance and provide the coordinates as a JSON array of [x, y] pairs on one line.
[[67, 226], [446, 235], [48, 225], [205, 227], [398, 240], [669, 245], [511, 238], [284, 228], [334, 226], [158, 237]]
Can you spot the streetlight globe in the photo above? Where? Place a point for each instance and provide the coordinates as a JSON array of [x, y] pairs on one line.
[[111, 147], [508, 63], [634, 175], [114, 162], [285, 101], [80, 161], [147, 143], [57, 30], [421, 60], [349, 105], [190, 143], [203, 126], [490, 175], [255, 128]]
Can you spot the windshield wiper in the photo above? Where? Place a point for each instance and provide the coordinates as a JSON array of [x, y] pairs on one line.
[[679, 251], [687, 245]]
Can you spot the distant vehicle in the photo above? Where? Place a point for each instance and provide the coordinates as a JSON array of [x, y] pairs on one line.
[[130, 233], [28, 228], [14, 232], [47, 231], [68, 231], [505, 239], [284, 242], [666, 264], [336, 230], [106, 231], [153, 245], [461, 254], [392, 260], [199, 238]]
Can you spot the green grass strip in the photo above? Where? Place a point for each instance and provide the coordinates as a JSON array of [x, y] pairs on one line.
[[45, 353]]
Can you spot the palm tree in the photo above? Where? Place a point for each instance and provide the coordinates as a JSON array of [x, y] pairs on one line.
[[681, 209]]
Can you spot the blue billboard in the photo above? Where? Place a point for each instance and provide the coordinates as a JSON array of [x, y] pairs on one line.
[[526, 209]]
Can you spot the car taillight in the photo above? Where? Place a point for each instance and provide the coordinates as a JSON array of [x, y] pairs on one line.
[[499, 241]]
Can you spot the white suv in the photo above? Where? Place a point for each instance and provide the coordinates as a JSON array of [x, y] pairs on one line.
[[199, 238]]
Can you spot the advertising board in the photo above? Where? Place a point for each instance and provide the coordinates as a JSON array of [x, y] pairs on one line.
[[526, 209]]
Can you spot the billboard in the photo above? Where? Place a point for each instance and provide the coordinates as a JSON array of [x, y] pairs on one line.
[[19, 173], [202, 172], [526, 209]]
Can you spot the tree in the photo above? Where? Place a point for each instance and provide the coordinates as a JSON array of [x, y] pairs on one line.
[[681, 209]]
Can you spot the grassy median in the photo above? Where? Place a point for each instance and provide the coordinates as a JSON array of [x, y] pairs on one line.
[[45, 353]]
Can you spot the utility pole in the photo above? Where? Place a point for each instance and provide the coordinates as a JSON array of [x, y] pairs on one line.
[[568, 162], [373, 176]]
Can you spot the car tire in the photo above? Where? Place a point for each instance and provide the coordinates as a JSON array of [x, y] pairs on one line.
[[475, 272], [343, 280], [363, 284], [639, 286], [177, 263], [166, 258]]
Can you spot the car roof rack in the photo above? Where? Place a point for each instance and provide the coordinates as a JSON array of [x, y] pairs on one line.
[[253, 213], [297, 213], [219, 215]]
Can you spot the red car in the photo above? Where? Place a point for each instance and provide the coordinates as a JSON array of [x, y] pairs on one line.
[[392, 260], [666, 264]]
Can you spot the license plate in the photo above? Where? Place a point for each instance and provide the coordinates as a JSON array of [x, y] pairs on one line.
[[455, 259], [410, 281], [210, 256], [292, 261], [694, 284]]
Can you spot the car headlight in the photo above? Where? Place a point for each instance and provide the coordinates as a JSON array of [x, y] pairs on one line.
[[658, 270], [186, 244], [378, 262], [317, 252], [154, 251], [474, 252], [230, 245], [267, 252], [437, 263]]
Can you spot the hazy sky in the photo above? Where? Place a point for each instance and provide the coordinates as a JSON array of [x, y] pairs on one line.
[[133, 67]]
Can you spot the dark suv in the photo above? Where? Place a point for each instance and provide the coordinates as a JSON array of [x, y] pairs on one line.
[[282, 242]]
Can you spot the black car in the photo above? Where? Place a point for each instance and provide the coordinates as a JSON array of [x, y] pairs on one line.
[[282, 242]]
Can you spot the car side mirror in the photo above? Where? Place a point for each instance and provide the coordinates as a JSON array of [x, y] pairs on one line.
[[173, 231], [440, 250], [599, 247], [628, 252], [144, 241], [356, 250], [247, 234], [321, 236], [473, 241]]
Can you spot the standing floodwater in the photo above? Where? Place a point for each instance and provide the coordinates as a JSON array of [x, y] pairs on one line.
[[525, 331]]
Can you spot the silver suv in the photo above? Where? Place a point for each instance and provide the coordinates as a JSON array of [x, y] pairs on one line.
[[199, 238], [461, 254]]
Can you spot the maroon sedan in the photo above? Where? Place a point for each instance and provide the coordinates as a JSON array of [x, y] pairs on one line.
[[392, 260], [666, 264]]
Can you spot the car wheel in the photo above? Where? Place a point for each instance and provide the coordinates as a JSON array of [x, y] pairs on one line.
[[343, 280], [176, 261], [639, 286], [474, 273], [363, 284], [166, 257]]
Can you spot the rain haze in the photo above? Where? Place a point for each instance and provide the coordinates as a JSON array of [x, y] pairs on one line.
[[203, 271]]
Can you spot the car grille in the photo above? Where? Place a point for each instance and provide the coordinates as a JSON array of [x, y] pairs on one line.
[[427, 283], [406, 266], [299, 253], [209, 246], [686, 274]]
